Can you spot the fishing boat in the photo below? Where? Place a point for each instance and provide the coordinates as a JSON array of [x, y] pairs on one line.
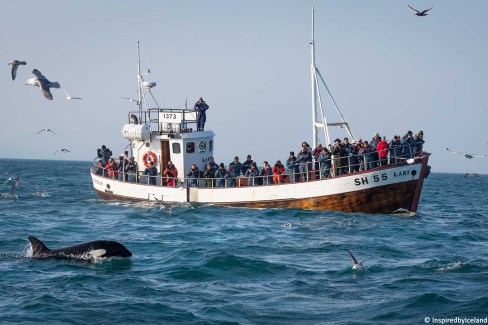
[[157, 135]]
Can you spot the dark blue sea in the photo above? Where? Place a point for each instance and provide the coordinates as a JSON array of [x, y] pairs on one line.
[[214, 265]]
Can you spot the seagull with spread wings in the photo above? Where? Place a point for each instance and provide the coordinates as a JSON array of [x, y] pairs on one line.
[[420, 13], [68, 97], [62, 150], [40, 81], [46, 130], [467, 155], [15, 65], [355, 264]]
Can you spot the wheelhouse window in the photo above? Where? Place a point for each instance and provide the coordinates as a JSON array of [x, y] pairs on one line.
[[190, 147], [210, 145], [176, 148]]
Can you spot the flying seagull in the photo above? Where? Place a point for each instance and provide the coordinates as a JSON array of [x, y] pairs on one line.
[[12, 194], [68, 97], [15, 65], [467, 155], [355, 264], [47, 130], [62, 150], [43, 83], [420, 13], [131, 100]]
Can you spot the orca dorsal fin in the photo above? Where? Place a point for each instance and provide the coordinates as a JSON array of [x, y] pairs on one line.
[[38, 247]]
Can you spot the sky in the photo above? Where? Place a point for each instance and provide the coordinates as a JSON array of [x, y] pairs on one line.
[[389, 71]]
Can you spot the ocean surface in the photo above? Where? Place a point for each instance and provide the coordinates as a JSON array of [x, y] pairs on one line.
[[196, 264]]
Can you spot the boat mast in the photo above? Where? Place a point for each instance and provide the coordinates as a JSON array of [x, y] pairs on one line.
[[139, 82], [314, 95], [317, 101]]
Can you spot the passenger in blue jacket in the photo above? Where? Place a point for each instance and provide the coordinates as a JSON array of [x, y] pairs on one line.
[[292, 167], [419, 142], [407, 145], [236, 166], [220, 176], [151, 173], [304, 159], [201, 107], [395, 150], [230, 178], [252, 174], [325, 161]]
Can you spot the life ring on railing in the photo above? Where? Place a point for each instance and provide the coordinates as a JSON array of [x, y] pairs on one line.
[[149, 157]]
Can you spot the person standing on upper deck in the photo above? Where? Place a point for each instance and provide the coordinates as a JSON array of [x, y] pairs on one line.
[[201, 107]]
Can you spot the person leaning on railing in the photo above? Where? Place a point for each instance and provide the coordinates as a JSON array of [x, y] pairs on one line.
[[151, 173], [278, 170], [193, 175], [131, 170], [292, 167], [99, 169], [325, 161], [220, 176], [209, 175], [395, 149]]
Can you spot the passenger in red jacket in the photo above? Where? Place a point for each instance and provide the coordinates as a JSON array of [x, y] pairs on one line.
[[278, 171], [112, 169], [382, 149]]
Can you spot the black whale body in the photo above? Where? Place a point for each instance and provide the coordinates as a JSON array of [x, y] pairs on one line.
[[92, 249]]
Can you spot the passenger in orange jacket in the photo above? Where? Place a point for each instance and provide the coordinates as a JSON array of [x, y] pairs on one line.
[[278, 170], [112, 169], [171, 173]]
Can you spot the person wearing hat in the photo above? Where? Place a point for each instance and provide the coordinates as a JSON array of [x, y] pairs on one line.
[[220, 176], [278, 170], [267, 174], [292, 168], [246, 164], [336, 157], [122, 168], [236, 166], [419, 142], [201, 107]]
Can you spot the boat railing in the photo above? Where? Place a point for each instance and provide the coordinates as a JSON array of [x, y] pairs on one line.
[[300, 172], [166, 120]]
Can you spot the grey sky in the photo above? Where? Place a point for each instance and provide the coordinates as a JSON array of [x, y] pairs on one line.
[[389, 70]]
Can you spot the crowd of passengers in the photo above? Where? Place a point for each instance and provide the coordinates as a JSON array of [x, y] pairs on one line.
[[320, 162]]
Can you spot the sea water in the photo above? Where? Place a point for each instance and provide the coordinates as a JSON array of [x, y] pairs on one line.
[[195, 264]]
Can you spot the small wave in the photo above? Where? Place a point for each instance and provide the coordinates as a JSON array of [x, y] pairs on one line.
[[428, 299], [448, 266], [242, 265]]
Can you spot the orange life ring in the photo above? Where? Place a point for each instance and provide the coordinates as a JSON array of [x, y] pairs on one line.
[[148, 157]]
